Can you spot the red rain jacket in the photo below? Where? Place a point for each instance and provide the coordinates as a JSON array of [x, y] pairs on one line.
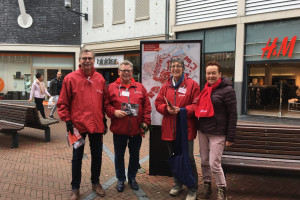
[[81, 101], [181, 100], [129, 125]]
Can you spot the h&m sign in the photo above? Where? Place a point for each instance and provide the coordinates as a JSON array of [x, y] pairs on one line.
[[284, 47]]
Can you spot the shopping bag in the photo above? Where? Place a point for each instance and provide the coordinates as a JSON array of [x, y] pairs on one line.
[[51, 102], [179, 163]]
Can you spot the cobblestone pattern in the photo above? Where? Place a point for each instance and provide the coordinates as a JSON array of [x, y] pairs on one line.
[[39, 170]]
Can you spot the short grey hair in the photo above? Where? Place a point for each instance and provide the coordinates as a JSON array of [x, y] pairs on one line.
[[87, 51], [126, 62], [179, 60]]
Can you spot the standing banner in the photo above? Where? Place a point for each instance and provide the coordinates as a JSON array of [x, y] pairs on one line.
[[155, 65]]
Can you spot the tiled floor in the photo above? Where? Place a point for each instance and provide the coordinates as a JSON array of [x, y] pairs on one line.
[[38, 170]]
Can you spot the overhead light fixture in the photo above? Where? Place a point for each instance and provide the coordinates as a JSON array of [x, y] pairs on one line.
[[68, 6]]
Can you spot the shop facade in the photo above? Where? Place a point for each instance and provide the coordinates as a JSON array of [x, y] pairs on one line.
[[262, 42]]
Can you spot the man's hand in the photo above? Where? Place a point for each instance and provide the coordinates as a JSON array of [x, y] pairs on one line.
[[145, 125], [70, 126], [173, 111], [120, 114], [29, 100]]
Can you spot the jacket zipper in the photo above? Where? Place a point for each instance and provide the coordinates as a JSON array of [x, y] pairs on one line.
[[129, 115], [174, 124]]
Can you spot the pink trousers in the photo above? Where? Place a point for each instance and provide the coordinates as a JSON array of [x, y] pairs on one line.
[[211, 150]]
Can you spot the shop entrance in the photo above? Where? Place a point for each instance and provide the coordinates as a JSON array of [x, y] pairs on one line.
[[274, 89], [109, 74]]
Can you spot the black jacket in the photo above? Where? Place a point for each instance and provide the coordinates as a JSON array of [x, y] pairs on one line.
[[55, 86], [225, 118]]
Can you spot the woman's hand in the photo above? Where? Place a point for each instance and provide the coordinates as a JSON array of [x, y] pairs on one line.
[[173, 111]]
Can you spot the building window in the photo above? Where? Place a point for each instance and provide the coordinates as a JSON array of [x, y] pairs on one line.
[[141, 10], [98, 17], [118, 11], [226, 60]]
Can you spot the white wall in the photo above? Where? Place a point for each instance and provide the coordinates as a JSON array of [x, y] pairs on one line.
[[130, 29]]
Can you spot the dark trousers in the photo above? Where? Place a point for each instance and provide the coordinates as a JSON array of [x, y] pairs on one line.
[[171, 150], [40, 106], [96, 146], [134, 145]]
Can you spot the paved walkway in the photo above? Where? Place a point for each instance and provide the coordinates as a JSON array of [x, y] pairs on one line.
[[38, 170]]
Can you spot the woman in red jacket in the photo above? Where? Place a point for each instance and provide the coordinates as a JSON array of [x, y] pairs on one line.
[[181, 91]]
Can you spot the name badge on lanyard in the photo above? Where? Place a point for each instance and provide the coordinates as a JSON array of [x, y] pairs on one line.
[[182, 90], [125, 93]]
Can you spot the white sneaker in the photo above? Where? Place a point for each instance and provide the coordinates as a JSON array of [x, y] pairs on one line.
[[191, 195], [176, 190]]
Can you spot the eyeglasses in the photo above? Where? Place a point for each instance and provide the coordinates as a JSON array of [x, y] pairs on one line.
[[175, 66], [87, 58], [125, 70]]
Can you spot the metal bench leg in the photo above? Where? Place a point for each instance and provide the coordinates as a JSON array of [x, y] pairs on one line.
[[47, 134], [15, 140]]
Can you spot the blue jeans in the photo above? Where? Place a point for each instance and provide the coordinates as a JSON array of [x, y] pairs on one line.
[[134, 145], [96, 146]]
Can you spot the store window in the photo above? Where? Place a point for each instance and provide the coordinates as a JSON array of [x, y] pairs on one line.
[[273, 82], [274, 89], [15, 74], [18, 72]]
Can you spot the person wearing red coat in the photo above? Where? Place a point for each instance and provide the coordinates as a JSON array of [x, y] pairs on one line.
[[80, 105], [128, 106], [181, 91]]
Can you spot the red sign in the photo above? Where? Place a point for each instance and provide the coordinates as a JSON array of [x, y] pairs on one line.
[[151, 47], [283, 48]]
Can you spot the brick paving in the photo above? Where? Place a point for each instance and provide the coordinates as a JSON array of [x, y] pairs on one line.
[[39, 170]]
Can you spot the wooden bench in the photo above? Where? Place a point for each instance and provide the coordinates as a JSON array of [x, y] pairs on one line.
[[264, 147], [14, 117]]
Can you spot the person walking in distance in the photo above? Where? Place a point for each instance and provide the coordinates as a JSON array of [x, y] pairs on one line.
[[38, 91], [80, 105], [54, 89]]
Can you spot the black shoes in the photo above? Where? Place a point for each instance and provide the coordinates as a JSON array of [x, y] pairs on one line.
[[133, 184], [120, 186]]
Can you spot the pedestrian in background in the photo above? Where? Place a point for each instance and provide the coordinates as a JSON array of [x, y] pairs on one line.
[[38, 91], [182, 92], [80, 105], [125, 123], [54, 89], [217, 112]]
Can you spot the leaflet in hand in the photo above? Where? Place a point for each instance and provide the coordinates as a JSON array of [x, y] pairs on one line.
[[169, 104], [130, 109]]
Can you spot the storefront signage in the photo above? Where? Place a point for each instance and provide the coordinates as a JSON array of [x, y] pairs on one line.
[[108, 61], [285, 46]]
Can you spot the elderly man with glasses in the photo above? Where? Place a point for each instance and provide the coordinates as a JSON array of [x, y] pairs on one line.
[[128, 106], [80, 105]]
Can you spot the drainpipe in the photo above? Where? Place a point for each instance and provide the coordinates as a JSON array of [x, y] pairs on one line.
[[167, 20]]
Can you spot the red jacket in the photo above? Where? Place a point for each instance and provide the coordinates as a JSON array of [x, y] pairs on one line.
[[128, 125], [81, 100], [180, 99]]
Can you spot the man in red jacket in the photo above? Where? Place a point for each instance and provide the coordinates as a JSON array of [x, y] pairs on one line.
[[128, 106], [80, 105]]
